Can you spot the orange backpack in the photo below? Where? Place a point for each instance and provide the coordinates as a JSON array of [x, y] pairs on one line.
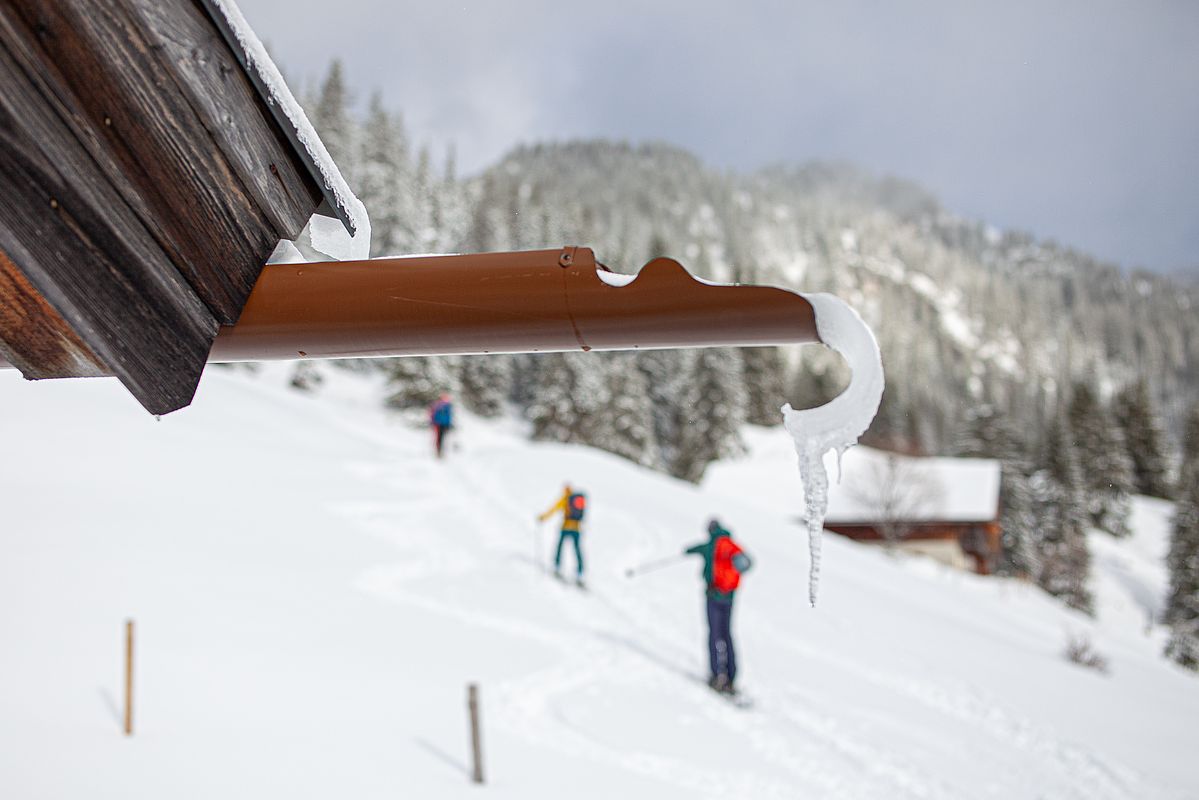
[[725, 577]]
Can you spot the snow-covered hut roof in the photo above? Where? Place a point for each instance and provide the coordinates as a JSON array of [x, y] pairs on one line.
[[916, 489], [928, 489]]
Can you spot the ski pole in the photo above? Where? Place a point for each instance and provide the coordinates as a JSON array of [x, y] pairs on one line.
[[650, 566], [537, 546]]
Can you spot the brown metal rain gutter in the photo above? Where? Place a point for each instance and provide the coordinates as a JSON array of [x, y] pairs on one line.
[[536, 301], [524, 302]]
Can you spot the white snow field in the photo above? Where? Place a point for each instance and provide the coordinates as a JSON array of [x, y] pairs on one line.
[[313, 592]]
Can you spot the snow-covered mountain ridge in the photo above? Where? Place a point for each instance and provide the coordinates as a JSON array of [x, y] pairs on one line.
[[966, 314], [312, 592]]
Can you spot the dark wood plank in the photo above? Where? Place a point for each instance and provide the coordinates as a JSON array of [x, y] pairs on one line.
[[34, 337], [336, 205], [83, 249], [233, 112], [107, 82]]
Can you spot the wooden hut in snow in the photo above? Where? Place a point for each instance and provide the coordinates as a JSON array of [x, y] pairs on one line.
[[947, 508]]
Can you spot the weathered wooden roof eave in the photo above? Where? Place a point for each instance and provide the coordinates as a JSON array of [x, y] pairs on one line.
[[144, 180]]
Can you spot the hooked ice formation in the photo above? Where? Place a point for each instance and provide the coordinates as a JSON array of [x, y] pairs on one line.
[[836, 425]]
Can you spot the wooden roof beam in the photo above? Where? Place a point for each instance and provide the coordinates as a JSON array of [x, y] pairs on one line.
[[82, 248], [153, 93]]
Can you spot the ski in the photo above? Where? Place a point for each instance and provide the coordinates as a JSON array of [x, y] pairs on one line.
[[735, 698], [578, 583]]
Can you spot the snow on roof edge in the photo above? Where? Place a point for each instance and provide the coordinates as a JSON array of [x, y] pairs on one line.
[[970, 487], [288, 112], [962, 490]]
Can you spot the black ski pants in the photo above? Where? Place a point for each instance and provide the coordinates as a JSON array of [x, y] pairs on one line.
[[720, 638]]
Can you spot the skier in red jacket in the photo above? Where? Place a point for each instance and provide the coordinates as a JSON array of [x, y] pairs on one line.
[[724, 562]]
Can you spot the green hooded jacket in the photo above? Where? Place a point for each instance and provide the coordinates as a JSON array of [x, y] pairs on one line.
[[707, 550]]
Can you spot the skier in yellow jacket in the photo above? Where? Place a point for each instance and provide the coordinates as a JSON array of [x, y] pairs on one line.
[[573, 505]]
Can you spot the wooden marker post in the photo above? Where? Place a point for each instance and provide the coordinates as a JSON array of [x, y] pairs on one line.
[[128, 677], [476, 740]]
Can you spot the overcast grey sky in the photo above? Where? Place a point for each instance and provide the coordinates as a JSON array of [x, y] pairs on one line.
[[1075, 120]]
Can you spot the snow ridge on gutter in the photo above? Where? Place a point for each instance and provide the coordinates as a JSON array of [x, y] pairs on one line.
[[349, 239]]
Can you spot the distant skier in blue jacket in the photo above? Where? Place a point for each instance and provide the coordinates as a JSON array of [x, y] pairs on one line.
[[441, 418]]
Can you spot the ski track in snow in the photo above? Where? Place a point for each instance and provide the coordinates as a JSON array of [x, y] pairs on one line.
[[596, 646], [1093, 776], [530, 706]]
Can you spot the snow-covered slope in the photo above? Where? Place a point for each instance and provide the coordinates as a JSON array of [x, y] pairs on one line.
[[313, 592]]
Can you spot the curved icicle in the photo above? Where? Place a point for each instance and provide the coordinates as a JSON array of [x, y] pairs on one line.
[[839, 423]]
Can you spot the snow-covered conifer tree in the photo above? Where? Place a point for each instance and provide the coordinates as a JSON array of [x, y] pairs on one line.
[[989, 434], [451, 208], [551, 406], [765, 385], [1021, 532], [306, 376], [569, 392], [1182, 604], [383, 183], [889, 428], [658, 247], [526, 371], [713, 413], [487, 230], [626, 422], [1062, 516], [485, 382], [821, 377], [424, 217], [1190, 437], [1107, 470], [417, 382], [1145, 439], [667, 374], [332, 120]]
